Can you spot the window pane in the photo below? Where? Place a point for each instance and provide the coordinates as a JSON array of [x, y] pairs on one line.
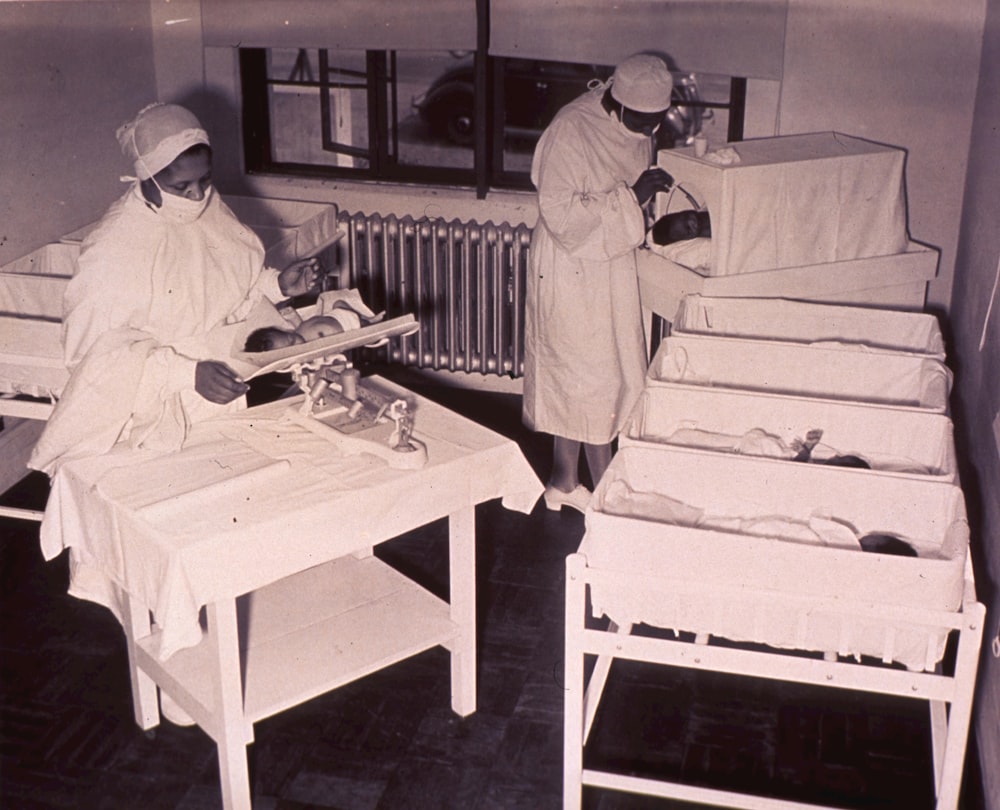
[[533, 92], [435, 93], [296, 99], [344, 107], [713, 90]]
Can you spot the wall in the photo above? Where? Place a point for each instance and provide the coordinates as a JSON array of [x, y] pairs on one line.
[[70, 73], [977, 374], [898, 73], [184, 75], [177, 49]]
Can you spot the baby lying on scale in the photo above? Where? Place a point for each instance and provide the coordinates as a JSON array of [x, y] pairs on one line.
[[340, 319], [269, 338]]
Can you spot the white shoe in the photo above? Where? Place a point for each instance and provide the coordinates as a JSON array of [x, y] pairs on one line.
[[578, 498], [174, 713]]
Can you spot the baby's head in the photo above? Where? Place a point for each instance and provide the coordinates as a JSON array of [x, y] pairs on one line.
[[681, 225], [269, 338]]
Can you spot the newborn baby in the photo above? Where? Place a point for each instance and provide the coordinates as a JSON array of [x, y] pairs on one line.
[[269, 338], [680, 226], [339, 311]]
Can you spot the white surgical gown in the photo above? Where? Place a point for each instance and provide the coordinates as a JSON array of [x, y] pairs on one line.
[[585, 351], [136, 315]]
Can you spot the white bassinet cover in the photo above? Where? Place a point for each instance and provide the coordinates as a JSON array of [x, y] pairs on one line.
[[795, 200]]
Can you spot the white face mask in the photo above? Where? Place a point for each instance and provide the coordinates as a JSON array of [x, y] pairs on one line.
[[181, 209], [177, 209], [638, 136]]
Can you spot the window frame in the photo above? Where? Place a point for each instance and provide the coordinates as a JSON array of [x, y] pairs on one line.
[[488, 171]]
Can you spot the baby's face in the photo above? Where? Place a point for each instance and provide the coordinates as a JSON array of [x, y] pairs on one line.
[[319, 326], [684, 226], [282, 340]]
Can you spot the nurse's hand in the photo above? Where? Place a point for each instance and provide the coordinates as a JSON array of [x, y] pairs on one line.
[[300, 277], [217, 382], [650, 182]]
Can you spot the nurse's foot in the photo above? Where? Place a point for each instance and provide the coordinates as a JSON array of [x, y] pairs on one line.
[[556, 499]]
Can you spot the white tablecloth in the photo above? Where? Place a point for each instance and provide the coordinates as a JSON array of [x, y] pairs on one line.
[[251, 500]]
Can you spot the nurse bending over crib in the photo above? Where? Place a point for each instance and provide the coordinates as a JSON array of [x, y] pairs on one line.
[[584, 351], [168, 263]]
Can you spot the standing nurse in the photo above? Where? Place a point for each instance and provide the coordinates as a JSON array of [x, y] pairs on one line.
[[585, 352]]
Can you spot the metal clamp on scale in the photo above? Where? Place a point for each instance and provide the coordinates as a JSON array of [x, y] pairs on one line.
[[355, 415]]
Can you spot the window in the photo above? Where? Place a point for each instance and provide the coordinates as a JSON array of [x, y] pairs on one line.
[[410, 116]]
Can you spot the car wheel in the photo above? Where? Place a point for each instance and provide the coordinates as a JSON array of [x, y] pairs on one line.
[[460, 126]]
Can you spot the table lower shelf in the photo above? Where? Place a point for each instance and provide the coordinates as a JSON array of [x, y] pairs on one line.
[[312, 632]]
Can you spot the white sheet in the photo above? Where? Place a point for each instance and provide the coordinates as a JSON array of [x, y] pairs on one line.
[[289, 229], [716, 579], [895, 441], [841, 372], [694, 254], [250, 500], [898, 281], [32, 296], [31, 292]]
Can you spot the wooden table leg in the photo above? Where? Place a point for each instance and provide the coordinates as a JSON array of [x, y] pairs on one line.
[[462, 571], [574, 694], [144, 700], [231, 731], [949, 784]]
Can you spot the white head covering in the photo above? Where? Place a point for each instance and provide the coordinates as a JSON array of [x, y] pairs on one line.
[[157, 135], [643, 83]]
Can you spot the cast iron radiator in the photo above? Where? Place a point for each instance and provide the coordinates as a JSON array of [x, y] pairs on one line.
[[463, 281]]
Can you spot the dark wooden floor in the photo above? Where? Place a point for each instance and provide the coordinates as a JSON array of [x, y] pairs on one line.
[[68, 740]]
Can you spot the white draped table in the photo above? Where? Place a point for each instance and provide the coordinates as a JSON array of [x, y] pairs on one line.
[[242, 567]]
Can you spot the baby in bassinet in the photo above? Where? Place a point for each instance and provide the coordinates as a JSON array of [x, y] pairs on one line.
[[620, 499], [680, 226]]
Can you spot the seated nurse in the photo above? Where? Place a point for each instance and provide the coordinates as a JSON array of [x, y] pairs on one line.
[[168, 263]]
